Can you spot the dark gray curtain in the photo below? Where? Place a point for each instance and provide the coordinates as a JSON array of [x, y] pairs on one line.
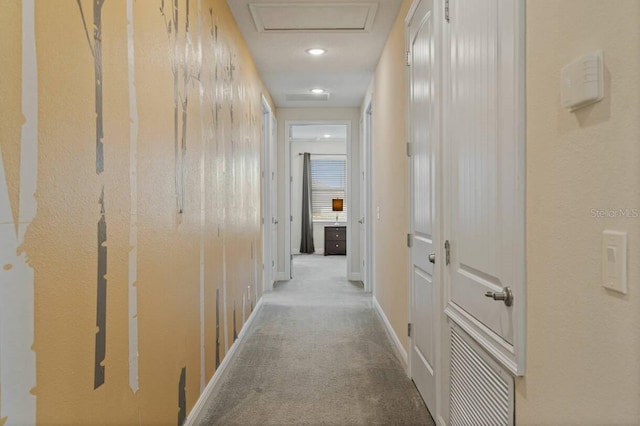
[[306, 242]]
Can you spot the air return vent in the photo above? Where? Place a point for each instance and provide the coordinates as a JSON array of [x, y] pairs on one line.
[[295, 97], [481, 392], [313, 16]]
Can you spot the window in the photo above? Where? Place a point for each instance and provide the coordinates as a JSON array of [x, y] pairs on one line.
[[328, 176]]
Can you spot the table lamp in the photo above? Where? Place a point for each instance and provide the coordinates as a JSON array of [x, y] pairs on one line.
[[337, 206]]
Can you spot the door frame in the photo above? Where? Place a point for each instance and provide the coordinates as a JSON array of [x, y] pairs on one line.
[[267, 142], [288, 257], [366, 162], [440, 343]]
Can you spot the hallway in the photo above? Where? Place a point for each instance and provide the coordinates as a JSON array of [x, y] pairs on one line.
[[317, 353], [151, 194]]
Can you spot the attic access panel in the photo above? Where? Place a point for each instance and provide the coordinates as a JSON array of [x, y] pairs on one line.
[[313, 17]]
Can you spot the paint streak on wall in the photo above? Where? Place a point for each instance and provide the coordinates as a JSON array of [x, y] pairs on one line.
[[182, 397], [101, 299], [173, 278], [18, 175], [133, 220]]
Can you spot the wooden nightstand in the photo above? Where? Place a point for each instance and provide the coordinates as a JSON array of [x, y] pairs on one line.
[[335, 240]]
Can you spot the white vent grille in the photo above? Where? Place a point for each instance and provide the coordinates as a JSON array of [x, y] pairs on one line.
[[352, 17], [481, 392]]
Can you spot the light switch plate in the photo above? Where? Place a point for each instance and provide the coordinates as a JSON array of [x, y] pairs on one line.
[[614, 261]]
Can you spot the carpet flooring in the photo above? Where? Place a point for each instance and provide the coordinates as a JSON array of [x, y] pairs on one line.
[[316, 354]]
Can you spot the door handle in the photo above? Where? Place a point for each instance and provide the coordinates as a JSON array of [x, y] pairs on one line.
[[274, 220], [506, 295], [432, 258], [361, 221]]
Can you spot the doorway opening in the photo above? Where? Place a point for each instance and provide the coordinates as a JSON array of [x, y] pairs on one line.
[[319, 202]]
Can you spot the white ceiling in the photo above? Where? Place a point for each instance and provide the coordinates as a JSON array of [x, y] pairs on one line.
[[319, 132], [289, 27]]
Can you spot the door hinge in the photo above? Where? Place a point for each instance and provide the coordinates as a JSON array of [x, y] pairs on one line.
[[447, 248], [409, 329], [409, 149], [291, 218], [446, 10], [409, 240], [408, 58], [291, 179], [262, 175]]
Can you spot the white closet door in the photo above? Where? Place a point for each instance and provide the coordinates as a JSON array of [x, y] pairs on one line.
[[422, 106], [484, 157]]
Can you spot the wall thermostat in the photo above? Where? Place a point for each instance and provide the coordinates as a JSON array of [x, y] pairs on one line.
[[582, 81]]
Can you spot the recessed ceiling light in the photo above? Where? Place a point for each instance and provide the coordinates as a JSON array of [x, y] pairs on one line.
[[316, 51], [327, 136], [317, 91]]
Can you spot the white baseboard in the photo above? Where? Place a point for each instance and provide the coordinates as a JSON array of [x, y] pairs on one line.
[[392, 334], [355, 276], [208, 390], [282, 276]]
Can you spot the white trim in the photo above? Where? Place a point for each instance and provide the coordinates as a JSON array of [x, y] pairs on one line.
[[217, 376], [366, 196], [348, 192], [267, 220], [287, 191], [494, 345], [273, 201], [402, 352], [354, 276], [520, 341], [287, 204], [442, 337], [444, 390]]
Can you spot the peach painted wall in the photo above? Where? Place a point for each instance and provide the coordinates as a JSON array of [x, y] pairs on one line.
[[119, 249], [390, 174], [583, 341]]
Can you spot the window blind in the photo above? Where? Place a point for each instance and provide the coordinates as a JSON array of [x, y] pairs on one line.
[[328, 176]]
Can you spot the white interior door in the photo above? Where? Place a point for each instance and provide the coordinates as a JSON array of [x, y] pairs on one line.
[[484, 158], [423, 190]]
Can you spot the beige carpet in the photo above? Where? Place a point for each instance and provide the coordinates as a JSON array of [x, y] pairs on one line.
[[317, 354]]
